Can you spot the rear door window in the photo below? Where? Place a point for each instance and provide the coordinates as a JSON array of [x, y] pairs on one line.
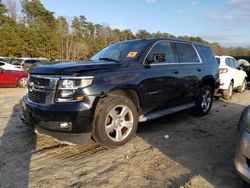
[[230, 62], [186, 53], [235, 64]]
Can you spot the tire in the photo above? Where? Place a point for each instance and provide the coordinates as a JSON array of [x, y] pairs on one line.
[[204, 101], [242, 88], [22, 82], [246, 184], [115, 121], [227, 95]]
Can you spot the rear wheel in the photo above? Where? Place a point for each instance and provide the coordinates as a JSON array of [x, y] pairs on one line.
[[227, 95], [22, 82], [116, 121], [204, 101], [242, 88]]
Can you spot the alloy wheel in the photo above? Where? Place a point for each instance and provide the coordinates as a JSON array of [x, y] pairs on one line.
[[119, 123], [206, 100]]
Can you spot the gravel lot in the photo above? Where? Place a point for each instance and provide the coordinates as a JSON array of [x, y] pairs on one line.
[[198, 153]]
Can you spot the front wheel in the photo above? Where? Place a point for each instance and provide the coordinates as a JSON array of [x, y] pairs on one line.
[[116, 121], [204, 101]]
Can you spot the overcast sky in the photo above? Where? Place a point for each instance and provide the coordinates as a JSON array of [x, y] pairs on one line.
[[223, 21]]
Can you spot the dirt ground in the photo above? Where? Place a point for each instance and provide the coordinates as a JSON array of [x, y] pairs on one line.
[[198, 153]]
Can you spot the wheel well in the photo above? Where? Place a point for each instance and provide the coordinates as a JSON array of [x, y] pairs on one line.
[[130, 94], [209, 81]]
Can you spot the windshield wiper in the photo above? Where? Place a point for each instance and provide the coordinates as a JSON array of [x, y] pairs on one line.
[[108, 59]]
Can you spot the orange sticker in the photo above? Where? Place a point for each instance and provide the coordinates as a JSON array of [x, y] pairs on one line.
[[132, 54]]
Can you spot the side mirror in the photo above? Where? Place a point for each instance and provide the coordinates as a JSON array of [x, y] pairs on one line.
[[156, 58]]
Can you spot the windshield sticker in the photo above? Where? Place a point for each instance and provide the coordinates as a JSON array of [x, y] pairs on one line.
[[131, 54]]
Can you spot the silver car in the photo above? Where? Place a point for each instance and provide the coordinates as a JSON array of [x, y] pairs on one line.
[[242, 155]]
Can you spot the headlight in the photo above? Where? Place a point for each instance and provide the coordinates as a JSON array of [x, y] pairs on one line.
[[70, 88]]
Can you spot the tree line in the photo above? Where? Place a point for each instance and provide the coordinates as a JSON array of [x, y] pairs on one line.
[[38, 33]]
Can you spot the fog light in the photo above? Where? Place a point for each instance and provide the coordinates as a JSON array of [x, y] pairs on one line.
[[65, 125]]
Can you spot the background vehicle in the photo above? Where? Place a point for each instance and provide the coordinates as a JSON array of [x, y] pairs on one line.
[[242, 155], [27, 62], [247, 70], [127, 82], [231, 76], [246, 67], [3, 59], [7, 66], [17, 62], [13, 78]]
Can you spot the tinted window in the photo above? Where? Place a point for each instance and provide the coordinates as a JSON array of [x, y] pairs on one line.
[[234, 62], [218, 60], [207, 54], [186, 53], [31, 61], [230, 62], [2, 59], [163, 47]]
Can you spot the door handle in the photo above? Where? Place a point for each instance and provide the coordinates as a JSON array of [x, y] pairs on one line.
[[199, 69], [176, 72]]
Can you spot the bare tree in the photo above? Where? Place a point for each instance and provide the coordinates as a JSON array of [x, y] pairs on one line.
[[12, 8]]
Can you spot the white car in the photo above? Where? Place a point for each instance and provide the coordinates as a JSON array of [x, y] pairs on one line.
[[7, 66], [231, 76]]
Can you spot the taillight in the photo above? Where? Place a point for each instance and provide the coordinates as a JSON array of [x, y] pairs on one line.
[[223, 70]]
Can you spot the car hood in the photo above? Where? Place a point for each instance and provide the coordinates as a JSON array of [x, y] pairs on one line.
[[69, 68]]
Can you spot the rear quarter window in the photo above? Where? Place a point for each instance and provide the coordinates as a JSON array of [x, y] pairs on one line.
[[186, 53], [207, 54]]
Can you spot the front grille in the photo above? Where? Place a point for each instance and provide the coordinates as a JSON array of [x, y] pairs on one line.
[[41, 89], [37, 96], [40, 81]]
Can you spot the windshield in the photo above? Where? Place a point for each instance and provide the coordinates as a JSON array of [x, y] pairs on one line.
[[125, 51]]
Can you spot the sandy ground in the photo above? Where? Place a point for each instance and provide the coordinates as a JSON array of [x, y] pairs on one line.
[[198, 153]]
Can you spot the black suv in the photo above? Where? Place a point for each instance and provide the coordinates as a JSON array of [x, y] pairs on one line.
[[125, 83]]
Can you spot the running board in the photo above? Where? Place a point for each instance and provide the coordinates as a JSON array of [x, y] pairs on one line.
[[154, 115]]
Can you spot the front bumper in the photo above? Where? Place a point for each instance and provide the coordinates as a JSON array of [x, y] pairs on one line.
[[47, 119], [78, 138], [242, 155]]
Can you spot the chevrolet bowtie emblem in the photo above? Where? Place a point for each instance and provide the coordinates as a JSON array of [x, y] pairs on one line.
[[31, 86]]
